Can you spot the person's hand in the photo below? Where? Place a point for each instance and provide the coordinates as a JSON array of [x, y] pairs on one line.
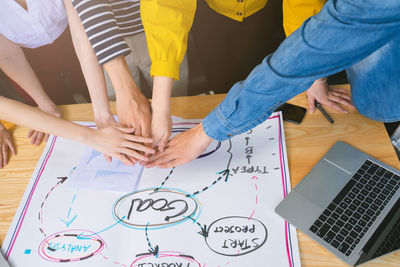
[[6, 142], [133, 111], [161, 126], [181, 149], [120, 143], [327, 96], [37, 137], [107, 121]]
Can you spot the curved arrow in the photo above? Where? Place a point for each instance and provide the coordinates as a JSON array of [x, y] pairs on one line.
[[166, 178], [152, 250], [203, 229], [224, 173], [61, 181]]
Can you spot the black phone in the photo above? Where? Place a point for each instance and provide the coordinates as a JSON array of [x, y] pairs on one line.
[[292, 113]]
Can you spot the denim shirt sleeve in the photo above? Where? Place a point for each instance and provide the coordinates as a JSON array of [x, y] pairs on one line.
[[342, 34]]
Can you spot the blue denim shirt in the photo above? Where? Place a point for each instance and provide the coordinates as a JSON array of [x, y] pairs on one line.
[[346, 34]]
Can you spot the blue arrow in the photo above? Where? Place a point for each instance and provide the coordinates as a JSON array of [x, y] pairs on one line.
[[68, 221], [81, 236]]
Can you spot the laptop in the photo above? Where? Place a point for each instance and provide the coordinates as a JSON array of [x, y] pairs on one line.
[[349, 203], [3, 262]]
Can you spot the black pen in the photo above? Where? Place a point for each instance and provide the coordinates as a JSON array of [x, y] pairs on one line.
[[318, 105]]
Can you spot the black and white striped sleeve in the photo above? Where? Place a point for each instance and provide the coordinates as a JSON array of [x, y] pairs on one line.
[[101, 27]]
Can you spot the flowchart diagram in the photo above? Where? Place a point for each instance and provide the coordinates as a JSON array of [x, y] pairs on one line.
[[215, 211]]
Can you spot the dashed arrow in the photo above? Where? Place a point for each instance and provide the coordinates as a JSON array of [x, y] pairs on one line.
[[203, 229], [153, 250], [165, 180], [40, 215], [224, 173]]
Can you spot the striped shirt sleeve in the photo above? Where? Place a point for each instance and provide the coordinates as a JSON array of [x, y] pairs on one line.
[[101, 27]]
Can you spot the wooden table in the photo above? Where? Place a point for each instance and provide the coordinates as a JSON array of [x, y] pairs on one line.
[[306, 143]]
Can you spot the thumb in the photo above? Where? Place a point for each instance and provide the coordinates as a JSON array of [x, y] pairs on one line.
[[311, 104], [163, 143], [125, 130], [108, 158]]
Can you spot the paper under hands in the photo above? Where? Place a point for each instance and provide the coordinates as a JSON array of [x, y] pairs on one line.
[[95, 172]]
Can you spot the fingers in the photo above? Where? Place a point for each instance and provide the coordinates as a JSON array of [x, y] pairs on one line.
[[5, 154], [11, 146], [311, 104], [123, 159], [342, 99], [46, 137], [145, 127], [158, 155], [341, 95], [335, 106], [125, 130], [132, 159], [36, 137], [30, 133], [33, 137], [139, 147], [139, 139], [340, 90], [162, 159], [163, 144], [39, 138], [134, 154], [138, 131], [170, 164], [108, 158], [1, 156]]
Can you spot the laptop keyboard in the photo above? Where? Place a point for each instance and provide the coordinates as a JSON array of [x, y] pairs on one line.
[[349, 216], [392, 241]]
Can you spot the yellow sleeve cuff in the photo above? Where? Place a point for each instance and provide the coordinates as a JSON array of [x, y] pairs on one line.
[[165, 69], [290, 28]]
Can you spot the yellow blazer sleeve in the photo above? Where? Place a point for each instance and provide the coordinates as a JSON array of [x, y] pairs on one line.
[[167, 24], [295, 12]]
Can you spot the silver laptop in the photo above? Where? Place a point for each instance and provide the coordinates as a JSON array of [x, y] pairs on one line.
[[349, 203], [3, 262]]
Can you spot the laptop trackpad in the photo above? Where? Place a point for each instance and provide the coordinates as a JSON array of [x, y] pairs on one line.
[[323, 183]]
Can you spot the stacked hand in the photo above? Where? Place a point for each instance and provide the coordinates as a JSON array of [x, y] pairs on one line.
[[181, 149], [133, 112], [120, 143]]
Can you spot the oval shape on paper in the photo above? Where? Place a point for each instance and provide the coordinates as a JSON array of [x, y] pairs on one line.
[[170, 259], [155, 209], [69, 246], [236, 236]]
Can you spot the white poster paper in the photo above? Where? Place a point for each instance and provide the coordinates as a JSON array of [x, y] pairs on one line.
[[215, 211]]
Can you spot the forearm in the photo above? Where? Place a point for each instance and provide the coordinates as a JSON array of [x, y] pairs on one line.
[[162, 88], [339, 36], [14, 63], [121, 77], [92, 71], [34, 118]]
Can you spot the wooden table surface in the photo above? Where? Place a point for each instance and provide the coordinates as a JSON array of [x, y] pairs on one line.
[[306, 143]]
